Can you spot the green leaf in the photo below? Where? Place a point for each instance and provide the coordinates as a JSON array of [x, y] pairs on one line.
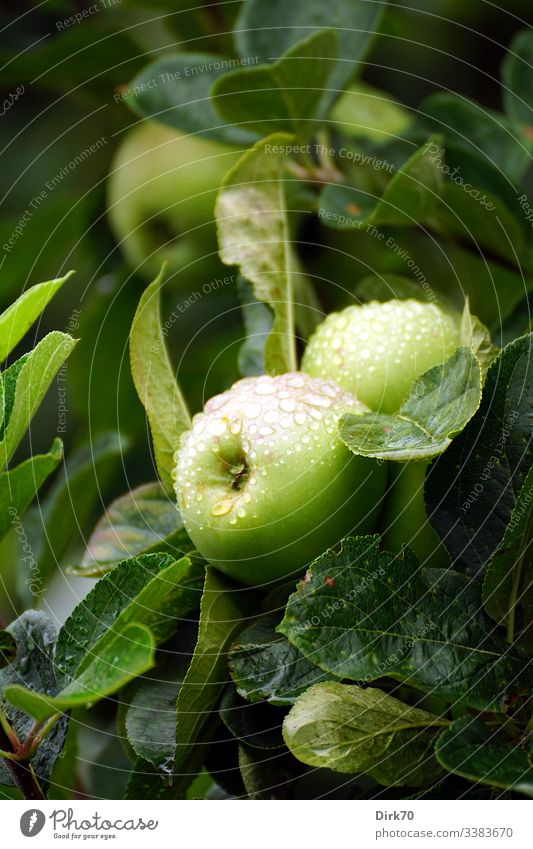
[[111, 635], [353, 730], [268, 28], [264, 665], [508, 582], [438, 406], [147, 782], [270, 777], [155, 383], [19, 485], [66, 510], [284, 95], [176, 90], [470, 749], [517, 79], [8, 388], [258, 725], [473, 173], [143, 521], [482, 221], [153, 590], [486, 134], [33, 667], [34, 378], [363, 614], [476, 337], [19, 317], [64, 779], [150, 720], [8, 648], [366, 112], [409, 198], [471, 490], [222, 609], [257, 319], [254, 234], [124, 656]]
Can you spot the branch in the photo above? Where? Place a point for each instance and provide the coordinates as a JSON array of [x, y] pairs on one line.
[[23, 774]]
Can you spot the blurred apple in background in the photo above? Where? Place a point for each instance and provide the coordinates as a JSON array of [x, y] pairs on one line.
[[161, 197]]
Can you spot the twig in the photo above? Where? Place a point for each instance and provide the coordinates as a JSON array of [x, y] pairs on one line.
[[23, 774]]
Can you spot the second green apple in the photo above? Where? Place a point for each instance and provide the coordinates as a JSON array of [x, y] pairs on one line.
[[377, 350]]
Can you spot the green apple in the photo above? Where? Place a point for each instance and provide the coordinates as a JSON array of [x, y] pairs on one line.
[[265, 485], [161, 195], [378, 349]]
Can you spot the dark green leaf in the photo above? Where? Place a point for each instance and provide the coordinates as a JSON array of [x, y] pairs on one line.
[[110, 665], [151, 719], [485, 133], [64, 780], [253, 233], [153, 689], [284, 95], [271, 775], [19, 485], [355, 730], [470, 749], [438, 406], [409, 198], [8, 648], [155, 382], [471, 490], [258, 725], [33, 667], [493, 290], [363, 614], [143, 521], [154, 590], [257, 319], [517, 78], [479, 218], [508, 582], [264, 665], [268, 28], [147, 782], [223, 607], [176, 91], [8, 388]]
